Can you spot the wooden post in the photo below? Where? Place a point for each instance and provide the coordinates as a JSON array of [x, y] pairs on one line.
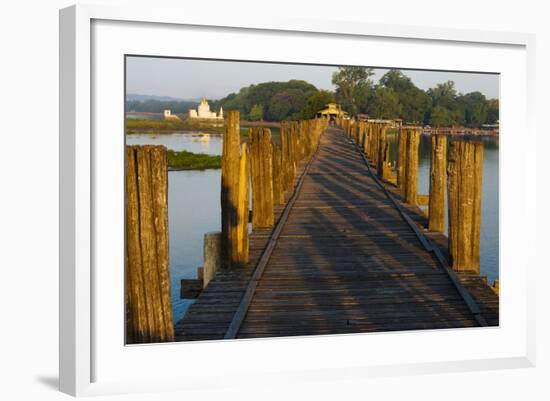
[[374, 143], [438, 183], [401, 159], [465, 171], [262, 178], [287, 161], [295, 144], [230, 188], [361, 134], [243, 208], [212, 250], [159, 175], [278, 190], [381, 150], [411, 169], [386, 165], [148, 297], [138, 329], [367, 129]]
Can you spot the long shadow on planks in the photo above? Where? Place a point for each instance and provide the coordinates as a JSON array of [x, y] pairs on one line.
[[348, 263]]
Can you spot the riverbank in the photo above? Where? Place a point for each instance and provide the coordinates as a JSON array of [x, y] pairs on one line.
[[184, 160], [137, 126], [134, 125]]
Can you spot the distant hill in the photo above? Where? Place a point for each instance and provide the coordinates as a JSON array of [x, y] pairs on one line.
[[156, 104], [130, 97]]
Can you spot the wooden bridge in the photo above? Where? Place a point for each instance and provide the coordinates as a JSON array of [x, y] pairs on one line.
[[346, 255]]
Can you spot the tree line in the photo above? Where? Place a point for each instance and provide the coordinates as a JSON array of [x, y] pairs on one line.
[[394, 96], [277, 101]]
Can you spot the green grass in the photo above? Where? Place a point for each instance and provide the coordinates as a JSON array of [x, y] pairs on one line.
[[185, 160], [135, 125]]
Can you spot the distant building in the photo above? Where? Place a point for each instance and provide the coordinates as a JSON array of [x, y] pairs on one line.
[[331, 111], [203, 111], [169, 116]]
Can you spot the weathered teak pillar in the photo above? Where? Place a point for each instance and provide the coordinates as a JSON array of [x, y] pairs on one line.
[[438, 183], [380, 160], [366, 140], [465, 171], [277, 166], [359, 134], [212, 253], [288, 164], [401, 159], [148, 304], [262, 178], [386, 166], [240, 251], [295, 143], [374, 143], [230, 188], [411, 166]]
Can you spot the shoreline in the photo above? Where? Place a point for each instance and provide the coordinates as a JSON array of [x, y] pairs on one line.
[[171, 168]]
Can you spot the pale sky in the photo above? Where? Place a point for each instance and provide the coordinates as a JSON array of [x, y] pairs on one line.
[[190, 79]]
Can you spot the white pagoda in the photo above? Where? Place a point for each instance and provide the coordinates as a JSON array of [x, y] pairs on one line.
[[203, 111]]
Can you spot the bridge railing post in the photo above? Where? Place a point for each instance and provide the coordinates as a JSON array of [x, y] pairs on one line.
[[411, 166], [366, 141], [381, 154], [278, 188], [261, 154], [148, 297], [401, 159], [230, 189], [240, 250], [288, 161], [212, 254], [465, 171], [438, 183]]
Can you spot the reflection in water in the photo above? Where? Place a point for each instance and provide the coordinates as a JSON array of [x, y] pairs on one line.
[[192, 141], [489, 200]]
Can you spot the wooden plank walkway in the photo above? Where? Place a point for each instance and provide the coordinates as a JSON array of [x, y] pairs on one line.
[[345, 262]]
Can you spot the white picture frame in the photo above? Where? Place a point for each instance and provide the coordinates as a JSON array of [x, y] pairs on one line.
[[91, 364]]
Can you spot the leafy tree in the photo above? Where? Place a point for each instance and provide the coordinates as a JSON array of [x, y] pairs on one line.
[[492, 111], [415, 103], [352, 86], [256, 113], [475, 108], [286, 104], [385, 103], [443, 94], [316, 102], [447, 108], [279, 100], [442, 117]]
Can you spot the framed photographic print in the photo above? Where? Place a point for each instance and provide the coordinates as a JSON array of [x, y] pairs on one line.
[[277, 198]]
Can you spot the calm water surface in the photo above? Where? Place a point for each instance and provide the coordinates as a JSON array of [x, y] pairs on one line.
[[194, 204]]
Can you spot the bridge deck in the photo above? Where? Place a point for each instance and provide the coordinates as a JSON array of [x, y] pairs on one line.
[[345, 262]]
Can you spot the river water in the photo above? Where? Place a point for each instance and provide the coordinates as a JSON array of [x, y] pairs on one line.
[[194, 204]]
